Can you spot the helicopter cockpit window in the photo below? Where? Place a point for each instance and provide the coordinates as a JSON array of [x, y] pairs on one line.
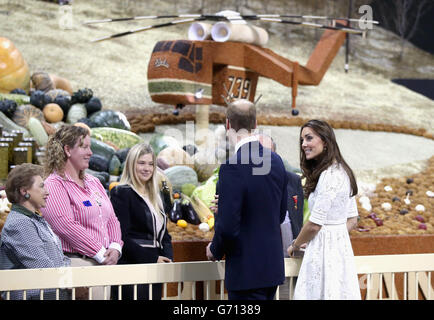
[[181, 47], [162, 46]]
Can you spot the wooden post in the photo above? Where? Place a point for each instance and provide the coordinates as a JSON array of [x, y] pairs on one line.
[[202, 124]]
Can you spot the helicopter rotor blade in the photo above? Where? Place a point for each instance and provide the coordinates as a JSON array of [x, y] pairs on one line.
[[155, 26], [314, 25], [216, 17], [193, 16], [255, 17]]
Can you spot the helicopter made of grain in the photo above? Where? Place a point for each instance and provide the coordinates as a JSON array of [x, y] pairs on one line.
[[223, 61]]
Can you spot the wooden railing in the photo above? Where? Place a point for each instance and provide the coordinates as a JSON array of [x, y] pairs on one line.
[[403, 277]]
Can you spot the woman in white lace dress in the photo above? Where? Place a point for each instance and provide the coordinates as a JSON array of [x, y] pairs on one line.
[[328, 269]]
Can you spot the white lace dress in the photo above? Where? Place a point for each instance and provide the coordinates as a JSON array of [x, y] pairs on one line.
[[328, 270]]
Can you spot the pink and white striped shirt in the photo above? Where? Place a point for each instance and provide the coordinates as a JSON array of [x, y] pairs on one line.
[[83, 218]]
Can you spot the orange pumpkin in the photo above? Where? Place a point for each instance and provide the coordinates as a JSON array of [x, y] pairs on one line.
[[14, 71], [53, 113]]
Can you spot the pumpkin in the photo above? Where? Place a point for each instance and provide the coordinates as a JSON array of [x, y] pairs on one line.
[[59, 97], [14, 71], [175, 156], [113, 184], [53, 113], [25, 112], [110, 118]]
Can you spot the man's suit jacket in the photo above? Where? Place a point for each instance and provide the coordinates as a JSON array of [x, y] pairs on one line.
[[251, 208]]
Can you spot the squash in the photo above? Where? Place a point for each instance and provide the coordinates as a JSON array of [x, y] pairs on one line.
[[45, 82], [204, 164], [53, 113], [37, 130], [8, 107], [9, 125], [99, 163], [100, 148], [37, 99], [110, 118], [118, 137], [61, 83], [49, 129], [122, 154], [76, 112], [14, 71], [42, 81], [18, 98], [25, 112], [93, 105], [180, 175], [82, 96], [176, 156], [115, 166], [160, 141]]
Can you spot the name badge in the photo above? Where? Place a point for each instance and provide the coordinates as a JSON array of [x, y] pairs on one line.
[[87, 203]]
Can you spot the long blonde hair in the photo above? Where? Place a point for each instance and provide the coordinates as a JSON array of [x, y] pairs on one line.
[[151, 187]]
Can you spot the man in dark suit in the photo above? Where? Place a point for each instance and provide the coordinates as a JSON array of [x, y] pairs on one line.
[[251, 206], [293, 223]]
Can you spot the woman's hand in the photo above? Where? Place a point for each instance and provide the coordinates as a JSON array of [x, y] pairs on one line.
[[162, 259], [292, 252], [111, 257]]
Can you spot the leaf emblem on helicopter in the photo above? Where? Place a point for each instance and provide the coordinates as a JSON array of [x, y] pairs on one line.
[[161, 63]]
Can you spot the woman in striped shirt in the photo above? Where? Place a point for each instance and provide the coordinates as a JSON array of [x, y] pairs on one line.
[[138, 206], [79, 210]]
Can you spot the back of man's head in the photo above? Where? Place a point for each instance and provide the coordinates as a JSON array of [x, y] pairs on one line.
[[241, 115]]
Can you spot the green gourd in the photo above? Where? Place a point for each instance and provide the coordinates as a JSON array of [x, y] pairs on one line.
[[76, 112], [38, 132]]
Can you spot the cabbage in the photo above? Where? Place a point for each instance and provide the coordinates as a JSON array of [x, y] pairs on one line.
[[206, 191]]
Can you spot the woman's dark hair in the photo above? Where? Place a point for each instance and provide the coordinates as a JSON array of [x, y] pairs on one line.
[[22, 176], [313, 168]]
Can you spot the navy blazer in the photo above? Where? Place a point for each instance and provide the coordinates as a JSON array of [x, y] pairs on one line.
[[138, 228], [251, 208], [295, 209]]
